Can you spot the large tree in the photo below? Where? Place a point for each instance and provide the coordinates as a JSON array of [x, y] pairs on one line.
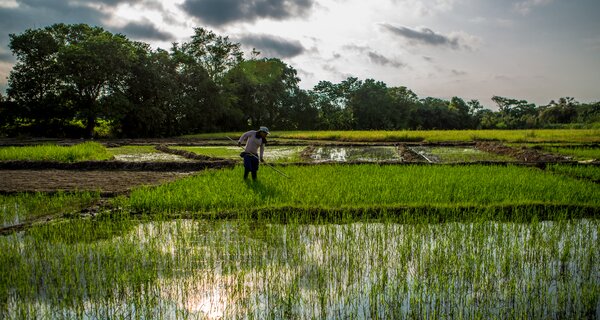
[[65, 70], [266, 91], [34, 82]]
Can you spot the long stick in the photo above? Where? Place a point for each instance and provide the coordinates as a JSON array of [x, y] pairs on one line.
[[269, 165]]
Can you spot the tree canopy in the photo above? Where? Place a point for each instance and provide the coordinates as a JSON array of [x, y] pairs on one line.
[[68, 79]]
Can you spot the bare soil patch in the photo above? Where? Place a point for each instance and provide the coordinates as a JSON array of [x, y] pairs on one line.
[[107, 182], [522, 154]]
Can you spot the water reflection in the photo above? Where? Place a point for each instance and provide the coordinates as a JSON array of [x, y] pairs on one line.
[[381, 270], [248, 269], [343, 154]]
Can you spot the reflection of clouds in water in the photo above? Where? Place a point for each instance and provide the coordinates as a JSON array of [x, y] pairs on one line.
[[342, 154], [144, 157], [231, 270], [278, 153]]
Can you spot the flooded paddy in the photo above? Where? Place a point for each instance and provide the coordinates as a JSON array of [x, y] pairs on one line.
[[254, 269], [457, 154], [271, 153], [144, 154], [345, 154]]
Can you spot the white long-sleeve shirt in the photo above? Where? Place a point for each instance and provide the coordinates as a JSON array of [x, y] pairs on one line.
[[253, 143]]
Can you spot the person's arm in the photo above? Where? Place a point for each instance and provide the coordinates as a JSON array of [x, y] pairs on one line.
[[243, 138], [262, 151]]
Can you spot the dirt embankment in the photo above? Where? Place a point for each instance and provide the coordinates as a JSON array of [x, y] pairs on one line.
[[186, 154], [522, 154], [409, 155]]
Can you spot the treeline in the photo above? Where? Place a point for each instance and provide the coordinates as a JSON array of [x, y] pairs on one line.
[[79, 80]]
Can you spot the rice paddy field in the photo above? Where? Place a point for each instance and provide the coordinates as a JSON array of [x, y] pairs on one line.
[[49, 152], [537, 136], [350, 232]]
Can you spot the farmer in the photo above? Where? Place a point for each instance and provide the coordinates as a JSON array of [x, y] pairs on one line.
[[254, 139]]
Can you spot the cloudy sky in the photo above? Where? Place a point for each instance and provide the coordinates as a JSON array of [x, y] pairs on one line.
[[537, 50]]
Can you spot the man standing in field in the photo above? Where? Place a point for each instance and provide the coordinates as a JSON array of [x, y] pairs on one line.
[[255, 139]]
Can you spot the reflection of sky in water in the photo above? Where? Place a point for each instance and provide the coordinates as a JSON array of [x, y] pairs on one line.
[[235, 269], [342, 154], [11, 214], [344, 263]]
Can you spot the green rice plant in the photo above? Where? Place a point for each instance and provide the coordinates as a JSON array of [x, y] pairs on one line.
[[576, 153], [580, 171], [198, 269], [80, 152], [15, 209], [459, 154], [344, 186], [231, 152], [541, 135]]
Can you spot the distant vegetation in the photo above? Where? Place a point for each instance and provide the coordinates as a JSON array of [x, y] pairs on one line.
[[81, 81], [512, 136]]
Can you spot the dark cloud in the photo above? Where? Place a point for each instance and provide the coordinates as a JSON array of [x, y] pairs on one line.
[[424, 36], [273, 46], [145, 31], [42, 13], [375, 57], [384, 61], [222, 12]]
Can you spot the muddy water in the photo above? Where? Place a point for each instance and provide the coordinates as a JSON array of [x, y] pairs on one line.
[[344, 154]]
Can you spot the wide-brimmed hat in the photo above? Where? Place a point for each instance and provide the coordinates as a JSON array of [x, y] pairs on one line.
[[264, 129]]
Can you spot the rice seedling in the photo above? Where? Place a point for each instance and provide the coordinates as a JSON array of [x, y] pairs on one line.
[[580, 171], [15, 209], [79, 152], [458, 154], [365, 186], [576, 153], [246, 268]]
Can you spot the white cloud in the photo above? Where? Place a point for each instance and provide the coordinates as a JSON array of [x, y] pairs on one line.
[[8, 4], [525, 7], [424, 8]]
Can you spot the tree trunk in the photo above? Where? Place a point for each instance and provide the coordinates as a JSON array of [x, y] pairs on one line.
[[89, 126]]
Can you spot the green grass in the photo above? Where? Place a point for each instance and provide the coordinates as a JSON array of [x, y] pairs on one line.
[[27, 206], [80, 152], [546, 135], [364, 186], [581, 171]]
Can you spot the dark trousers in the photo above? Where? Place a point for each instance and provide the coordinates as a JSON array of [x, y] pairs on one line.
[[250, 166]]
